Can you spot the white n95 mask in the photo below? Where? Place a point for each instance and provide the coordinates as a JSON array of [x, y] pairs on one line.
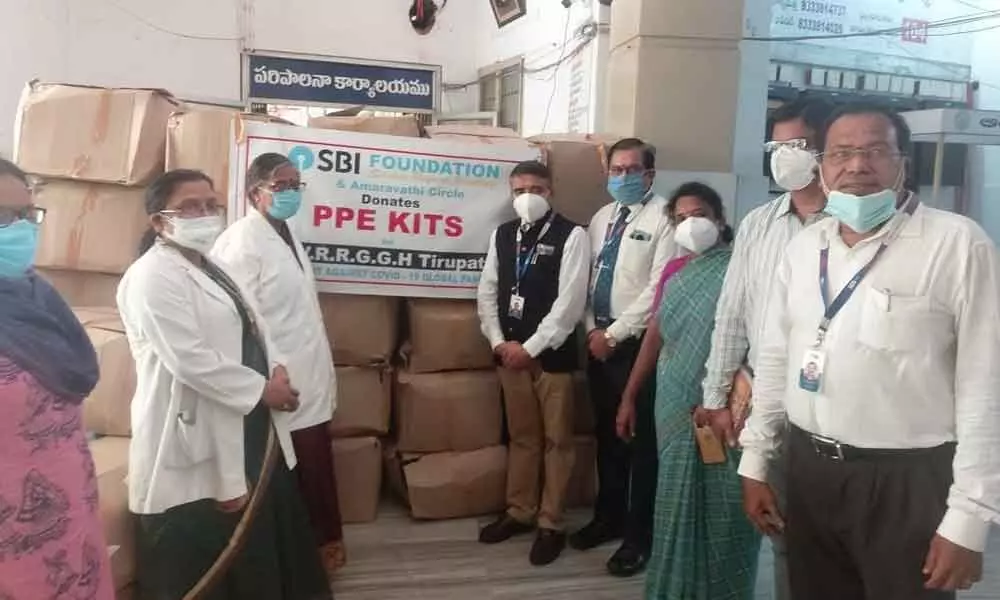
[[197, 234], [696, 234], [530, 207], [793, 168]]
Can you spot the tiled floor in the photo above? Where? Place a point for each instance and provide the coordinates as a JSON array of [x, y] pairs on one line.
[[396, 558]]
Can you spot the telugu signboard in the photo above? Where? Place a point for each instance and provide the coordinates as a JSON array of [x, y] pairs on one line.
[[911, 37], [387, 215], [281, 79]]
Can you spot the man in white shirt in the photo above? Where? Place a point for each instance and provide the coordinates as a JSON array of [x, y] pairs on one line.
[[760, 245], [631, 241], [894, 468], [532, 295]]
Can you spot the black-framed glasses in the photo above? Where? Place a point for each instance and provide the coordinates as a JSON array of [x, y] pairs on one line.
[[32, 214], [191, 211], [284, 186], [617, 171]]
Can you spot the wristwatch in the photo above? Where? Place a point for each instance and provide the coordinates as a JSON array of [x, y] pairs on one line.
[[612, 342]]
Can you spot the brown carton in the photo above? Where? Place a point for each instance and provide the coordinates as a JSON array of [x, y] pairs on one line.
[[582, 489], [453, 485], [364, 402], [584, 421], [445, 336], [440, 412], [362, 330], [92, 133], [201, 138], [579, 173], [111, 468], [358, 465], [483, 134], [106, 411], [407, 126], [79, 288], [90, 226]]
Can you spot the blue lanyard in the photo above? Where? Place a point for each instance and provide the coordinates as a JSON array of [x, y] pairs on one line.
[[834, 307], [524, 259], [614, 230]]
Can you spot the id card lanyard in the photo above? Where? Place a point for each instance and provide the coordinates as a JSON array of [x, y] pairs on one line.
[[831, 308], [526, 259], [611, 231]]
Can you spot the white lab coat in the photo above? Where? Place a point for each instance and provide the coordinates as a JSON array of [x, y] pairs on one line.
[[192, 391], [285, 293]]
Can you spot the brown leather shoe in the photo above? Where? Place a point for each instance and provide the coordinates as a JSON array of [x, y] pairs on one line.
[[548, 545], [503, 529]]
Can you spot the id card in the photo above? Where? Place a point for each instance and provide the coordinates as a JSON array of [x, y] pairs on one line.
[[811, 374], [516, 310]]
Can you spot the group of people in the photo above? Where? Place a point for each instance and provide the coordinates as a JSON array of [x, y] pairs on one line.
[[830, 379], [231, 476]]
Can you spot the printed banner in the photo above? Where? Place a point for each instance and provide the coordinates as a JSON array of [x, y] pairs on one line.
[[387, 215], [274, 79]]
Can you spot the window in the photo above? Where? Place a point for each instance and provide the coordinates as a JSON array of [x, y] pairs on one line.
[[500, 92]]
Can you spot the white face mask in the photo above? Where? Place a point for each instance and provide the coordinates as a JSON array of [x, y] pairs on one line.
[[530, 207], [697, 234], [793, 168], [195, 234]]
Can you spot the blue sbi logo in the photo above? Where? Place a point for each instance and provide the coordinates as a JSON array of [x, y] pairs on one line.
[[302, 157]]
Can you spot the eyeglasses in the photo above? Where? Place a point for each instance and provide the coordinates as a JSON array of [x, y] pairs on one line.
[[32, 214], [873, 155], [629, 170], [192, 210], [798, 144], [284, 186]]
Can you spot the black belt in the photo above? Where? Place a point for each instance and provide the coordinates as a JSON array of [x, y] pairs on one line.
[[831, 449]]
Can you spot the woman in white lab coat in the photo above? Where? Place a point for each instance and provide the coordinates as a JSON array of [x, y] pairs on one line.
[[264, 256], [211, 456]]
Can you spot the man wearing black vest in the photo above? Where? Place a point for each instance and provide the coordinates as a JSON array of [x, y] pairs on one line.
[[532, 295]]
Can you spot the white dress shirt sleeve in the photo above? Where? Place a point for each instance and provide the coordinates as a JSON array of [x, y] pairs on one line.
[[486, 298], [761, 439], [974, 498], [632, 322], [572, 299], [729, 338]]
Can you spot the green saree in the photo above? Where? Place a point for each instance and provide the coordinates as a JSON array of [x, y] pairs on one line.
[[704, 548]]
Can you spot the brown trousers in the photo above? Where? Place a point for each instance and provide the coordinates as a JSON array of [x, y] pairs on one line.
[[317, 481], [539, 408]]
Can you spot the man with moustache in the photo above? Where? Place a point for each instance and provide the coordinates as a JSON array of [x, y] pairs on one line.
[[894, 472]]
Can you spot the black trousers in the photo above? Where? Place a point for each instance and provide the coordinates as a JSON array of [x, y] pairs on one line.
[[626, 471], [860, 529]]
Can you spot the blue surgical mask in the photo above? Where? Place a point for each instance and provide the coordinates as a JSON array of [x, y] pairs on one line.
[[285, 204], [18, 242], [627, 189], [862, 213]]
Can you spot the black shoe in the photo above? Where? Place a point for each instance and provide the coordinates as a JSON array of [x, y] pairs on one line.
[[502, 530], [627, 561], [593, 535], [548, 545]]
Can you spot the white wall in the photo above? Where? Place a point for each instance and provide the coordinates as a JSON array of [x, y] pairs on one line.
[[984, 176], [126, 42]]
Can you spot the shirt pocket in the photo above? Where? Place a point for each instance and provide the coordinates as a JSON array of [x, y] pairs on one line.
[[903, 324], [635, 255], [191, 442]]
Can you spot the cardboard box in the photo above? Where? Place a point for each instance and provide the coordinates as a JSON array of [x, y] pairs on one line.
[[407, 126], [92, 133], [110, 456], [80, 288], [363, 330], [456, 484], [483, 134], [199, 137], [106, 411], [445, 336], [579, 173], [457, 411], [582, 490], [358, 465], [90, 226], [364, 402], [101, 317], [584, 419]]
